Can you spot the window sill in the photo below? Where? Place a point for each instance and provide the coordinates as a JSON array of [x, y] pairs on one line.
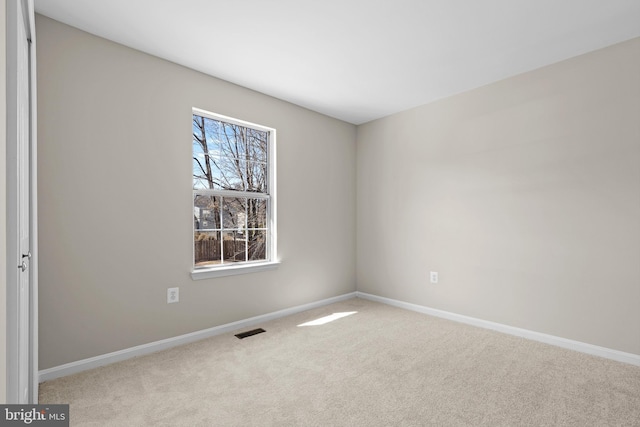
[[232, 270]]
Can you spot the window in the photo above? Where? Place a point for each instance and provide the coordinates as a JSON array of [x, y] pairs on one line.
[[233, 195]]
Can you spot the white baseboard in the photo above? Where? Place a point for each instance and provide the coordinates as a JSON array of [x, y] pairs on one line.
[[620, 356], [140, 350]]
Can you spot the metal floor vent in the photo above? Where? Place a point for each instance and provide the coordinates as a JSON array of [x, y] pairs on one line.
[[250, 333]]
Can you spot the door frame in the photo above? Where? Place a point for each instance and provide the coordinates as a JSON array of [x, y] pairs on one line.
[[13, 256]]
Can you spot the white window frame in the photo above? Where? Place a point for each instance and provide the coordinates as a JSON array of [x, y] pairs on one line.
[[271, 262]]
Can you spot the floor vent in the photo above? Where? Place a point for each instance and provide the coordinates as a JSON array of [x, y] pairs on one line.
[[250, 333]]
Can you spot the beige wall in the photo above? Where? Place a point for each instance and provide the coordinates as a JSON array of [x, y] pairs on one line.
[[3, 202], [115, 215], [524, 195]]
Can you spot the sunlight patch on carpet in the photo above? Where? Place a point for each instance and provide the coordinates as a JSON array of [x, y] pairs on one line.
[[327, 319]]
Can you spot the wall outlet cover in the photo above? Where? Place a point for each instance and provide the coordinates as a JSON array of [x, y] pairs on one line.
[[173, 295]]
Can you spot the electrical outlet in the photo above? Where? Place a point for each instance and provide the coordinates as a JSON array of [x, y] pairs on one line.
[[433, 276], [173, 295]]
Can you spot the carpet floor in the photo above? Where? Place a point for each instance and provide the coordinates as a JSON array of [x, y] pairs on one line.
[[377, 366]]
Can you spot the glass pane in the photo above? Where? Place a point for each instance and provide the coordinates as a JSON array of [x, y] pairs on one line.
[[231, 173], [206, 212], [234, 214], [206, 248], [205, 176], [199, 183], [205, 147], [234, 246], [256, 174], [257, 241], [232, 141], [257, 144], [256, 213]]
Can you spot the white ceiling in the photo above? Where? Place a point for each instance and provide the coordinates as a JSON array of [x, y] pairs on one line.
[[356, 60]]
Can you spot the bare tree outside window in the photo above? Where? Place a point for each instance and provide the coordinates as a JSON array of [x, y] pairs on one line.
[[231, 194]]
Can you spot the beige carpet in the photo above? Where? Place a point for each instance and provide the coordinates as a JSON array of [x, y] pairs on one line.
[[382, 366]]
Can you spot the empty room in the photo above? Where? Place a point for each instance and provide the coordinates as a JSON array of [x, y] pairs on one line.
[[354, 213]]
